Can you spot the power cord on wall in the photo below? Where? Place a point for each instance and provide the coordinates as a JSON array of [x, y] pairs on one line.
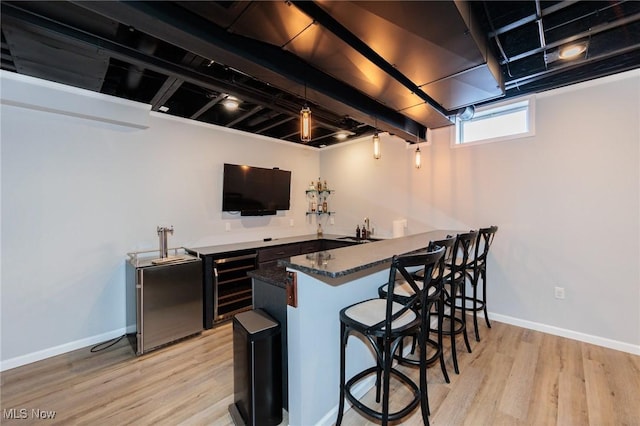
[[109, 343]]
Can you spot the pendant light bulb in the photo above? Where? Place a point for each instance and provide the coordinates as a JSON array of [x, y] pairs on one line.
[[305, 124], [418, 158], [376, 146]]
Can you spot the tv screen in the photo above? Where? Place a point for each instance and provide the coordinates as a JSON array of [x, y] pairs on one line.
[[255, 190]]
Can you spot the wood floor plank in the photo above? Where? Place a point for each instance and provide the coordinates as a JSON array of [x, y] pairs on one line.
[[517, 392], [455, 407], [545, 383], [485, 404], [572, 400], [512, 377], [600, 402]]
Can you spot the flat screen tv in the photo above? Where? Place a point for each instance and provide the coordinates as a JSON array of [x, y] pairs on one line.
[[255, 191]]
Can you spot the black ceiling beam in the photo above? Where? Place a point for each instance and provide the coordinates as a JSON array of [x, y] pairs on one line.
[[171, 84], [592, 31], [208, 106], [575, 67], [169, 87], [532, 18], [180, 27], [276, 124], [246, 115], [318, 14], [135, 57]]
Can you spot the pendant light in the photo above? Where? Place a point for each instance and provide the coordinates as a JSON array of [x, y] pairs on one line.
[[305, 124], [376, 146], [376, 143], [305, 119], [417, 158]]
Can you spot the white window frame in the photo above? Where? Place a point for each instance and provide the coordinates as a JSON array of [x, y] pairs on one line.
[[502, 108]]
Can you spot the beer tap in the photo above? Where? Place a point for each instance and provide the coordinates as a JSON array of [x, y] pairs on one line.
[[162, 234]]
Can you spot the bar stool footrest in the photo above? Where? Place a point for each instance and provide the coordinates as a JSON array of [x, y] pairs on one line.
[[377, 414]]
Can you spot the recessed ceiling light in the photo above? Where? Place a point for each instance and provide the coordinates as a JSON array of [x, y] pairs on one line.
[[572, 51], [341, 136], [231, 104], [164, 108]]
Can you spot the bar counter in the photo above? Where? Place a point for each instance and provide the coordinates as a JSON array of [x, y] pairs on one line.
[[326, 283], [347, 261]]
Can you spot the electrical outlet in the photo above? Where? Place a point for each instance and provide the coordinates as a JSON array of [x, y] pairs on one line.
[[332, 221], [290, 222], [227, 226], [559, 292]]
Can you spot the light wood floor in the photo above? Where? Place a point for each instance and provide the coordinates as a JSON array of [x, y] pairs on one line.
[[513, 377]]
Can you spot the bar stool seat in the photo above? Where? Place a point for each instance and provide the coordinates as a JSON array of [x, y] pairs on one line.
[[372, 312], [384, 323]]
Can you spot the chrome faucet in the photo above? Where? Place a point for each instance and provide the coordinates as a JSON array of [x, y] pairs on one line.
[[162, 234]]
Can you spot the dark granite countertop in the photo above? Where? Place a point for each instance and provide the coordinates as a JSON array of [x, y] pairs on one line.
[[344, 261], [275, 275], [249, 245]]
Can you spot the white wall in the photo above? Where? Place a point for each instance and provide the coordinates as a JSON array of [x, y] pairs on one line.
[[78, 194], [567, 202]]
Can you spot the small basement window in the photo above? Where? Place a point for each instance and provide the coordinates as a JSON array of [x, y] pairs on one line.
[[495, 123]]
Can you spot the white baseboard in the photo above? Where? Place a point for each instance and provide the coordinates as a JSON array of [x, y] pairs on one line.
[[58, 350], [570, 334], [556, 331]]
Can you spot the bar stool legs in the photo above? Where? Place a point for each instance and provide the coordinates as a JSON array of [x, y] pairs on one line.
[[476, 271], [455, 279], [383, 324]]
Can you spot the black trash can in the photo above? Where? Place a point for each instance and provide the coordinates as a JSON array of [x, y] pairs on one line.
[[257, 370]]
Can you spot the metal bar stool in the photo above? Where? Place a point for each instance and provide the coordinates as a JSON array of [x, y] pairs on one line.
[[384, 323]]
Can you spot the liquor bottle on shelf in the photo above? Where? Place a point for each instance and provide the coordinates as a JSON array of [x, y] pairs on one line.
[[319, 185], [324, 186], [357, 232], [325, 207], [313, 203]]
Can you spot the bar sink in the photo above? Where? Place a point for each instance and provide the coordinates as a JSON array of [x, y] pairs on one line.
[[359, 240]]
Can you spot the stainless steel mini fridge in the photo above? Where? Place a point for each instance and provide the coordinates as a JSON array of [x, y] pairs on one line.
[[164, 300]]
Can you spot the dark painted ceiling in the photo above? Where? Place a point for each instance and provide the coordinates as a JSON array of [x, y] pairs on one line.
[[398, 66]]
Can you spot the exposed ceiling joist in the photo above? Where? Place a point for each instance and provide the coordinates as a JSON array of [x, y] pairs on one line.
[[191, 32], [362, 66]]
